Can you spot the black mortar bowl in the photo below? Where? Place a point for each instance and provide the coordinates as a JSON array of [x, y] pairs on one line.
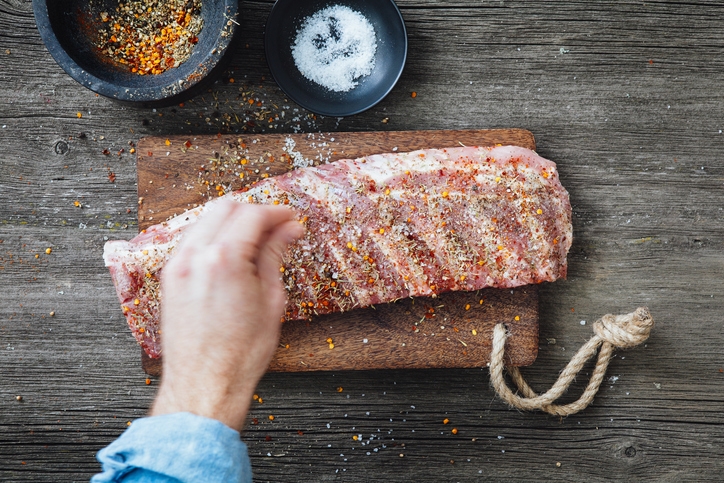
[[69, 29]]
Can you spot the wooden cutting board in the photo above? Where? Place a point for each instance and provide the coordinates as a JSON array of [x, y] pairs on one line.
[[452, 330]]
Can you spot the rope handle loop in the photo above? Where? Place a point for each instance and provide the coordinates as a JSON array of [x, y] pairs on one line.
[[610, 331]]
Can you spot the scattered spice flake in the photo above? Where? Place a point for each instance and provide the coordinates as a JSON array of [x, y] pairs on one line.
[[445, 421], [188, 144], [413, 94], [340, 388], [78, 114], [111, 177], [517, 318], [454, 431], [467, 306], [48, 251], [271, 417], [148, 381], [128, 423], [77, 204], [106, 152], [355, 437], [168, 142], [474, 332]]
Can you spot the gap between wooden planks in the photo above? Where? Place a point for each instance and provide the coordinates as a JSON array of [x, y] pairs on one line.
[[453, 330]]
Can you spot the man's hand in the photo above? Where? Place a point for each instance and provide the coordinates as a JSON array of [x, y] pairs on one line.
[[221, 309]]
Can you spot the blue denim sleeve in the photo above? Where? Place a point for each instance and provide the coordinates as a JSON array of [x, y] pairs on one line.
[[175, 448]]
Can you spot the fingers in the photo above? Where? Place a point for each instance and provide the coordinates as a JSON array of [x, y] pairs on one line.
[[251, 226], [210, 224]]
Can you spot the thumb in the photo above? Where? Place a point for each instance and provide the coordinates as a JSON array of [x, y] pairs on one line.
[[270, 259]]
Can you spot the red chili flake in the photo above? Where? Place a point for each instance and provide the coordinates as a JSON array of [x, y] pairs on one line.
[[188, 144], [112, 177], [194, 40], [300, 433], [150, 153], [106, 152], [267, 438]]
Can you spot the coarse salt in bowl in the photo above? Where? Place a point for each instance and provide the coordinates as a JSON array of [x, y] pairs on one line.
[[336, 58]]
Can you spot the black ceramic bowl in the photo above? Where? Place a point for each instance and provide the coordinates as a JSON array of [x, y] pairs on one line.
[[69, 29], [285, 20]]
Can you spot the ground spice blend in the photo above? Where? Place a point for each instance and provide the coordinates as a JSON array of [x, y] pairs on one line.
[[150, 36]]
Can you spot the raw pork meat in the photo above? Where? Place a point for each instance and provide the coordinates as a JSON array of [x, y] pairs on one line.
[[384, 227]]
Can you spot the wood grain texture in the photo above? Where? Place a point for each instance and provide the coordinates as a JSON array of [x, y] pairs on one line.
[[396, 337], [630, 111]]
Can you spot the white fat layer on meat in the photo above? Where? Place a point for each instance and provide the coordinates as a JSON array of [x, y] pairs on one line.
[[381, 168]]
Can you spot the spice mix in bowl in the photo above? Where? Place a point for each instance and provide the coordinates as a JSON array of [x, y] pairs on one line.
[[152, 52]]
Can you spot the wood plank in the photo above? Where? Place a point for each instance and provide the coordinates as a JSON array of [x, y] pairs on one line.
[[170, 180], [631, 113]]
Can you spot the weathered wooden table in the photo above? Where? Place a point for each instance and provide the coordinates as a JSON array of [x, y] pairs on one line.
[[627, 98]]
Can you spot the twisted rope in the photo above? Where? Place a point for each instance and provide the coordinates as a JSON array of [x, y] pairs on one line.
[[619, 331]]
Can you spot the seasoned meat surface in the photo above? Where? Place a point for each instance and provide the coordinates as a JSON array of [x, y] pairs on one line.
[[384, 227]]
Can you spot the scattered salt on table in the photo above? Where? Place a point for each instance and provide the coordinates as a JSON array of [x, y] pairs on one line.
[[335, 47]]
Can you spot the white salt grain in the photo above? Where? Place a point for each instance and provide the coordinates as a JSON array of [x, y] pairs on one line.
[[335, 47]]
